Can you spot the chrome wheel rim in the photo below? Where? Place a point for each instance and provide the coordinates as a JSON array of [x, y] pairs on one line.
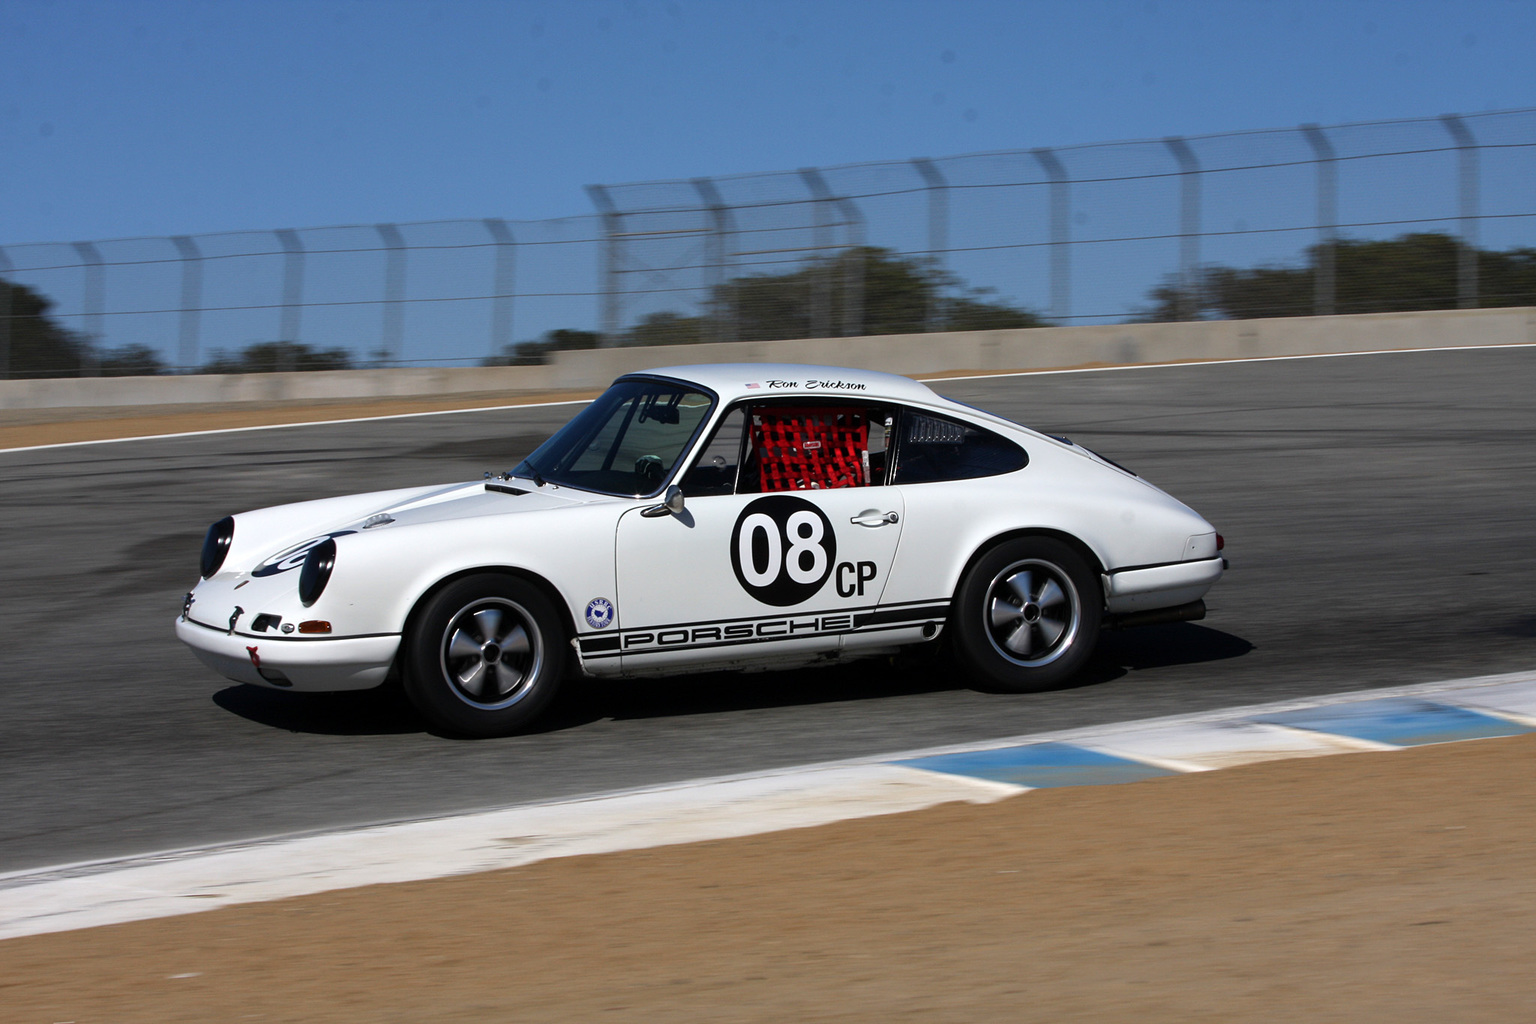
[[491, 653], [1032, 612]]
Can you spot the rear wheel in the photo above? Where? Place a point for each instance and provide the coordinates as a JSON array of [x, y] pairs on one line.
[[1027, 615], [484, 656]]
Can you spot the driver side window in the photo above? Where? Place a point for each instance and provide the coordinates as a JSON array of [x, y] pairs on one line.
[[769, 447], [715, 470]]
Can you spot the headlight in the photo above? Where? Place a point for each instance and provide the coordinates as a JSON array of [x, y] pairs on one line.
[[317, 571], [216, 545]]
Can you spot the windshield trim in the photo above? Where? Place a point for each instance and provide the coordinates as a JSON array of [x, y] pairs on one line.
[[684, 455]]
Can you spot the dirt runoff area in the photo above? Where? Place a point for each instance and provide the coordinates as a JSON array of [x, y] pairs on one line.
[[24, 428], [1360, 887]]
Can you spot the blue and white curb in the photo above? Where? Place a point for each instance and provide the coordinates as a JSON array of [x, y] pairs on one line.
[[85, 895]]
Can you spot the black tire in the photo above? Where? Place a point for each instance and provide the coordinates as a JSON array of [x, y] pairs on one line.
[[1027, 615], [484, 656]]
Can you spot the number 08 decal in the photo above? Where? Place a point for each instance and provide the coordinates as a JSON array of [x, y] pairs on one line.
[[782, 549]]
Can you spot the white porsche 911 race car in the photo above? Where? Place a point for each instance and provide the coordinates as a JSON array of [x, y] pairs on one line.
[[702, 518]]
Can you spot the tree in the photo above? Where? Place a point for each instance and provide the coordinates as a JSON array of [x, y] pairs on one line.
[[667, 328], [32, 344], [896, 293], [536, 353], [38, 346], [131, 361], [972, 313], [1410, 272], [272, 356]]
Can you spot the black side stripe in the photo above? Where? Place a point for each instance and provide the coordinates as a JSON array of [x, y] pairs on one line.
[[865, 621], [922, 614]]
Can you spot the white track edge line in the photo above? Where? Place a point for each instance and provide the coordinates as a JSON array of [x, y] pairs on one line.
[[90, 867], [285, 426], [1228, 360], [920, 380]]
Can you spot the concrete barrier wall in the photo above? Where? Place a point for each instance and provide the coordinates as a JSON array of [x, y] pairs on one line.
[[912, 354]]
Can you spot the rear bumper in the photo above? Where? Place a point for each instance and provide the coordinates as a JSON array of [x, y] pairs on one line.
[[1160, 586], [318, 664]]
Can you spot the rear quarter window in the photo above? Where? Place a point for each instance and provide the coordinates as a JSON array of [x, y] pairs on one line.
[[932, 448]]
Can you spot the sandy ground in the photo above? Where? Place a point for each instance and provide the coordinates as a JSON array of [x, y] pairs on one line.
[[20, 428], [1362, 887], [1367, 887]]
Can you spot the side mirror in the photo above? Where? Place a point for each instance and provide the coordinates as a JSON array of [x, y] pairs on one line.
[[671, 504]]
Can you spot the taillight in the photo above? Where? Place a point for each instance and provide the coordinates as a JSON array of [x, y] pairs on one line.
[[1221, 542]]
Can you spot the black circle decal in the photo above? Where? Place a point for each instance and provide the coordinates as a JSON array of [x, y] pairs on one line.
[[291, 558], [782, 549]]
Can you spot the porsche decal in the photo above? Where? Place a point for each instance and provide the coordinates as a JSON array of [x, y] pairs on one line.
[[734, 632]]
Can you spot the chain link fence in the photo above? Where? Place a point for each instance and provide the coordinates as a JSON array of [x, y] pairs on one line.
[[1074, 235]]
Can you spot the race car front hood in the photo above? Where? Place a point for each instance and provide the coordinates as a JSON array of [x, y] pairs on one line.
[[271, 544], [268, 536], [464, 501]]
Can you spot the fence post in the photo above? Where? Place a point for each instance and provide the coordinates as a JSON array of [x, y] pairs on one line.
[[1189, 228], [95, 304], [723, 311], [821, 240], [191, 301], [394, 291], [6, 267], [853, 269], [502, 285], [613, 224], [938, 238], [1061, 227], [293, 294], [1324, 273], [1466, 271]]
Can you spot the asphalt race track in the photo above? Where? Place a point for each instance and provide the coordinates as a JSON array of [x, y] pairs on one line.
[[1377, 509]]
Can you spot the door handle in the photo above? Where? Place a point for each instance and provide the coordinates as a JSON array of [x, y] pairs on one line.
[[874, 517]]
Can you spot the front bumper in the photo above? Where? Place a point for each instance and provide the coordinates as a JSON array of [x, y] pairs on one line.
[[311, 664]]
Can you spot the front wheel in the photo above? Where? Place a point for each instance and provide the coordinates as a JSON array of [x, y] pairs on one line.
[[484, 656], [1027, 615]]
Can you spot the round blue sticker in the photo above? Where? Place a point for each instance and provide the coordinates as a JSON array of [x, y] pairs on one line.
[[599, 613]]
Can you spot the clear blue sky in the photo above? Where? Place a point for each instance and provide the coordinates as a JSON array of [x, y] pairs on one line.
[[156, 117]]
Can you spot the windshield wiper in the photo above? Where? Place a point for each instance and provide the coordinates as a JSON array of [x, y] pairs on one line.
[[529, 470]]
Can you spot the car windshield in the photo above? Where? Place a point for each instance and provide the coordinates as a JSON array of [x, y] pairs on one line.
[[625, 443]]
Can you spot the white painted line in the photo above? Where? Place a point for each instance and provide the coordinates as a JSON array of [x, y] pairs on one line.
[[1515, 701], [163, 884], [33, 903], [1463, 690], [307, 423], [1225, 362], [1205, 746], [920, 380]]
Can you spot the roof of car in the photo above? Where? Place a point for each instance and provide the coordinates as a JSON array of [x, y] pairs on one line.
[[732, 381]]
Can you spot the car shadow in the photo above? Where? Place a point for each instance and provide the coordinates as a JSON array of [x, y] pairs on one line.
[[1119, 653], [383, 711], [1179, 643], [581, 702]]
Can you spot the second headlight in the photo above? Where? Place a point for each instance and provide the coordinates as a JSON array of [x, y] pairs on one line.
[[316, 572]]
